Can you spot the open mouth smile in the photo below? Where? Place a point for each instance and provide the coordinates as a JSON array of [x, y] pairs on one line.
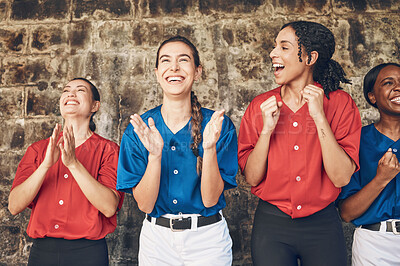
[[277, 68], [395, 100], [71, 102], [175, 79]]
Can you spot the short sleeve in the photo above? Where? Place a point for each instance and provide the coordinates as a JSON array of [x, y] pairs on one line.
[[132, 161], [347, 126], [248, 134], [28, 165], [108, 169], [227, 155], [351, 188]]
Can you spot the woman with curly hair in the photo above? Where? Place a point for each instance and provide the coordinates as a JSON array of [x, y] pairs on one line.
[[371, 199], [177, 159], [298, 145]]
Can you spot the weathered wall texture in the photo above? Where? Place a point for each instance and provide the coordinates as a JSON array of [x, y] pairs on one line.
[[44, 43]]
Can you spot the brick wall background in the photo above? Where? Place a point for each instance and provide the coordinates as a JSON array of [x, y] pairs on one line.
[[45, 43]]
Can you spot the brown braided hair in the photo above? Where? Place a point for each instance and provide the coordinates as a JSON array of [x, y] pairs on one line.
[[197, 116]]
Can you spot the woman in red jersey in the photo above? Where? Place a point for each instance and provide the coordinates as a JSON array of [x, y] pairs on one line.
[[68, 180], [298, 145]]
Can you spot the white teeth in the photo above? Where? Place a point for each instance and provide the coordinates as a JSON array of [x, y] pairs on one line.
[[277, 65], [174, 79], [397, 100], [71, 103]]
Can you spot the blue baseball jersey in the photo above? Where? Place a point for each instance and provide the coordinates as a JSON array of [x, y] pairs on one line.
[[373, 146], [179, 182]]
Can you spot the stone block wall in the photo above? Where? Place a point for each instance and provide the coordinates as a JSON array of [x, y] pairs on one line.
[[45, 43]]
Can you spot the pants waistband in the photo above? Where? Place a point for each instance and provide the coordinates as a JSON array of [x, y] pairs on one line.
[[179, 224], [53, 244], [391, 226], [266, 207]]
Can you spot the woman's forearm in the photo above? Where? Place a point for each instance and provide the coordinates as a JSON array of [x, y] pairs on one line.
[[256, 165], [146, 192], [357, 204], [22, 195], [337, 163], [212, 184], [101, 197]]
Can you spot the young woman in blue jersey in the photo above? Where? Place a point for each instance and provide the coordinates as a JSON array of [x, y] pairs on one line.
[[371, 199], [176, 160]]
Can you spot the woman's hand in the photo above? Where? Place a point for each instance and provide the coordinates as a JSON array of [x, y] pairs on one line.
[[270, 110], [23, 194], [67, 147], [388, 167], [52, 151], [314, 96], [212, 131], [148, 135]]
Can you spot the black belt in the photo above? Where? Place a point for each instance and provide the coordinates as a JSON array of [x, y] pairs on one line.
[[391, 226], [179, 224]]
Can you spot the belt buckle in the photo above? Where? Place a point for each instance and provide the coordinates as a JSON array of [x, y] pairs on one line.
[[171, 224], [394, 228]]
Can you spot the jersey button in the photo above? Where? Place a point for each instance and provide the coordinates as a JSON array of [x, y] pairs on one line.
[[56, 226], [174, 201], [295, 124], [296, 148], [299, 207], [66, 176], [298, 178], [176, 172], [61, 202], [173, 148], [394, 150]]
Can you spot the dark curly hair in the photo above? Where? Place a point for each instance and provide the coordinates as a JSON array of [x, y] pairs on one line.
[[370, 79], [316, 37]]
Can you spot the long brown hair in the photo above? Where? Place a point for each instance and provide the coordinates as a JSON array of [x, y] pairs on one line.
[[197, 116]]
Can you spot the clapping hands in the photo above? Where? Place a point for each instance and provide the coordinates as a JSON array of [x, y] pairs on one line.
[[212, 131], [148, 135]]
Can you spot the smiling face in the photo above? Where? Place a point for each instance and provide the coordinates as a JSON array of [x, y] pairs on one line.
[[386, 92], [176, 70], [285, 58], [77, 99]]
